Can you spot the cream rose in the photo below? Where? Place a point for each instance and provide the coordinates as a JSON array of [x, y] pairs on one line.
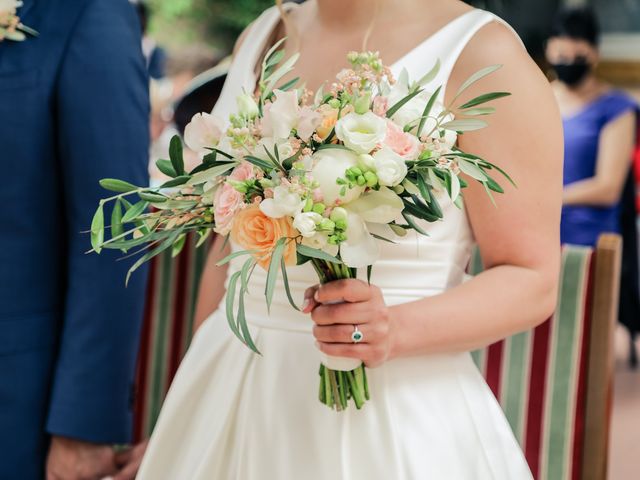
[[361, 133], [306, 223]]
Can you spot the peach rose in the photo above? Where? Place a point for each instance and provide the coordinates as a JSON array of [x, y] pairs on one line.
[[402, 143], [227, 202], [253, 230], [328, 120]]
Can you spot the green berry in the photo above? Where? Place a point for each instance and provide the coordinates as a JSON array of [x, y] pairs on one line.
[[341, 224], [328, 225], [361, 180], [319, 208], [308, 206], [371, 178]]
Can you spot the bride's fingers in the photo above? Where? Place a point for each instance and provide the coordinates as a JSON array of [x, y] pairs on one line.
[[309, 302], [347, 290], [342, 313], [371, 354], [342, 333]]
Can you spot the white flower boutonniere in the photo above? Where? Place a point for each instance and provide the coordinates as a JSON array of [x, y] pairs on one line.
[[10, 26]]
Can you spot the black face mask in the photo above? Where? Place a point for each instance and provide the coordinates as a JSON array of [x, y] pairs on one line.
[[572, 74]]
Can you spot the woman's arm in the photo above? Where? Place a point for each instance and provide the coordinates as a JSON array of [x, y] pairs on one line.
[[519, 239], [617, 141], [212, 288]]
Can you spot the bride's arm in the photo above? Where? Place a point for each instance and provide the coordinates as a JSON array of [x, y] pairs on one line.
[[519, 240], [212, 288]]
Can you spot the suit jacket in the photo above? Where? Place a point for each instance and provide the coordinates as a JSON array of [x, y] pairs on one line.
[[73, 109]]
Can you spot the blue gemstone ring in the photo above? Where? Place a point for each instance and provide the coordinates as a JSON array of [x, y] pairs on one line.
[[356, 336]]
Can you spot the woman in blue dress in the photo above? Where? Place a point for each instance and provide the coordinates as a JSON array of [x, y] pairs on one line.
[[600, 134]]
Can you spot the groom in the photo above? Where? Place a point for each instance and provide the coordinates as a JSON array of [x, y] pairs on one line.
[[73, 109]]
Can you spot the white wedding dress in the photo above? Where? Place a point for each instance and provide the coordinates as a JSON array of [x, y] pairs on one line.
[[235, 415]]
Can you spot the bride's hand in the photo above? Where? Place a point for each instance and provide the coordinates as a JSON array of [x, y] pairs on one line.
[[337, 307]]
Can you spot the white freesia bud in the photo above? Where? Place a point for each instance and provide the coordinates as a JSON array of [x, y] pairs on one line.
[[306, 223], [338, 214], [247, 106], [329, 165], [390, 167], [204, 130], [367, 162], [283, 203], [361, 133]]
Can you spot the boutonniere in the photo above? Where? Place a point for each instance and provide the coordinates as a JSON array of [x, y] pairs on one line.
[[10, 26]]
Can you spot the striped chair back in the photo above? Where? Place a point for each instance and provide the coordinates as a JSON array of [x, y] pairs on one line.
[[554, 381], [167, 329]]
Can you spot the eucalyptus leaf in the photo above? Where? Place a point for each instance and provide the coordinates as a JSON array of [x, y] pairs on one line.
[[211, 173], [97, 228], [116, 185], [430, 75], [465, 125], [315, 253], [116, 220], [427, 111], [204, 235], [135, 211], [472, 170], [480, 111], [181, 180], [477, 76], [166, 167], [176, 155], [455, 187], [233, 255], [152, 197], [167, 243], [414, 224], [229, 304], [287, 288], [260, 163], [401, 103], [481, 99], [272, 272], [178, 246]]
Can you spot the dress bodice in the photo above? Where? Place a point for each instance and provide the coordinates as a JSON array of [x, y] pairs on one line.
[[416, 265]]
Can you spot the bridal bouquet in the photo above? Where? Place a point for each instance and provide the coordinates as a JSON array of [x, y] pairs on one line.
[[296, 177], [10, 26]]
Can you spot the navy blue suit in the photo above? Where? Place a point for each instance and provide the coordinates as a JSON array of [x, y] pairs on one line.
[[73, 109]]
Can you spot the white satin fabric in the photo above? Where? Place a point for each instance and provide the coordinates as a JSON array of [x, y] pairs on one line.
[[234, 415]]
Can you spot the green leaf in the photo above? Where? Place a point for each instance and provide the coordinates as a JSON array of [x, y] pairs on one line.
[[455, 187], [289, 85], [369, 271], [427, 111], [480, 111], [181, 180], [134, 211], [204, 235], [471, 169], [166, 167], [116, 220], [413, 224], [152, 197], [116, 185], [329, 146], [211, 173], [242, 323], [287, 288], [493, 185], [97, 228], [233, 255], [479, 100], [272, 273], [178, 246], [315, 253], [430, 75], [391, 112], [424, 189], [229, 304], [175, 154], [167, 243], [258, 162], [477, 76], [465, 125]]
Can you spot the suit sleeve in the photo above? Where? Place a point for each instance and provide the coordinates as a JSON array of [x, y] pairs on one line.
[[103, 116]]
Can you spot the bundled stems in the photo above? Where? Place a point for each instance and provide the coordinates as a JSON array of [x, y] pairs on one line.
[[336, 387]]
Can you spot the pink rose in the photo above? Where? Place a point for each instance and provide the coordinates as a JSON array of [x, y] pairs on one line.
[[227, 202], [402, 143], [243, 172]]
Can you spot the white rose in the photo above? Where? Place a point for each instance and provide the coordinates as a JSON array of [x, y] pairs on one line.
[[306, 223], [281, 116], [361, 133], [329, 165], [204, 130], [247, 106], [390, 167], [283, 203]]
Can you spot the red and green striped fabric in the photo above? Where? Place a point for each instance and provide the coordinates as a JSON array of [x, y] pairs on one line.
[[167, 329], [539, 376]]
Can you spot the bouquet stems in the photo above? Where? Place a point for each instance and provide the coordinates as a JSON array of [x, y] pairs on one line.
[[337, 387]]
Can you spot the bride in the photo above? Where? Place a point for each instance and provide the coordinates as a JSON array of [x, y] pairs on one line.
[[232, 414]]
